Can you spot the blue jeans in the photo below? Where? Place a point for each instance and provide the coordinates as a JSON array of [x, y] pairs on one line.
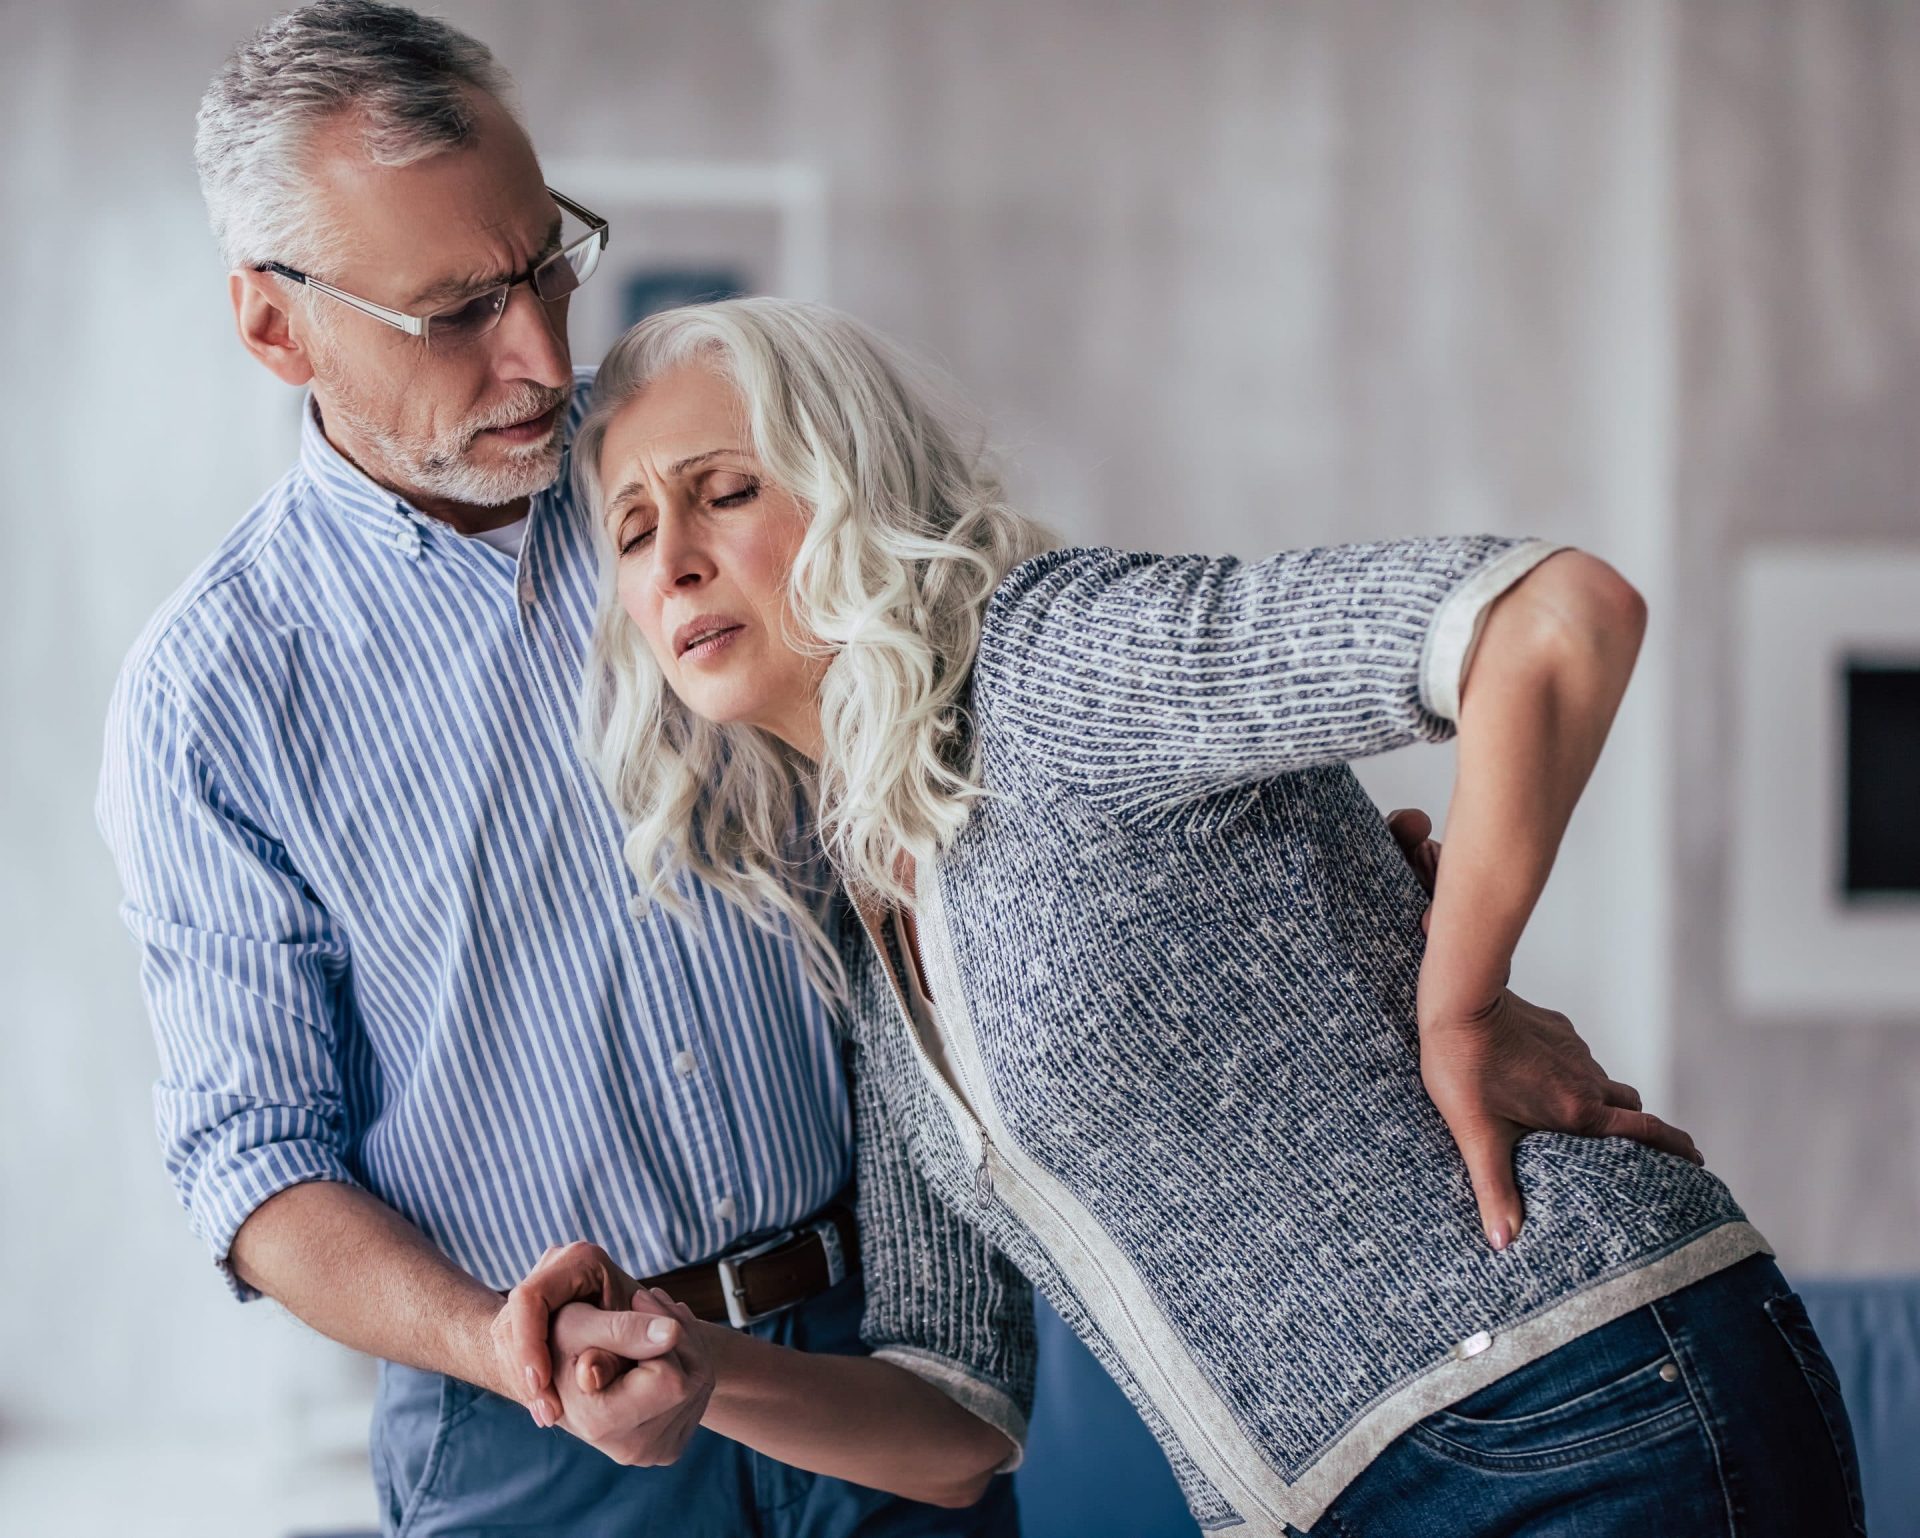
[[1713, 1411], [450, 1458]]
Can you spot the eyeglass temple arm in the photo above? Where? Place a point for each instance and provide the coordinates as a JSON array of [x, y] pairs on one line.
[[413, 324], [595, 223]]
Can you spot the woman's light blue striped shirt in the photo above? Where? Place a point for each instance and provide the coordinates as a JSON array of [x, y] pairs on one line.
[[384, 922]]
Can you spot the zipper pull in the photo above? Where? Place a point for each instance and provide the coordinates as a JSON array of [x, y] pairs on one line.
[[983, 1178]]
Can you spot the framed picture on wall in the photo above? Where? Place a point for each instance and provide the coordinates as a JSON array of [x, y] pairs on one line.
[[681, 232], [1826, 846]]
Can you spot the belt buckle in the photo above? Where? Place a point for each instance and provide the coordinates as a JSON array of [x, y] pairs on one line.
[[733, 1293]]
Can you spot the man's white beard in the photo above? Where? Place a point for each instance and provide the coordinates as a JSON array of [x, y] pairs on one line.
[[522, 470], [443, 469]]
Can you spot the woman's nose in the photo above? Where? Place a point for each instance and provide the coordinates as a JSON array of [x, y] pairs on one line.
[[678, 562]]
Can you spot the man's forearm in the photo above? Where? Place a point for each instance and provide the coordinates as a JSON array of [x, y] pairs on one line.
[[1552, 664], [350, 1266]]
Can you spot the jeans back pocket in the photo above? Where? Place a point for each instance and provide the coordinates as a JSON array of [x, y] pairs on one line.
[[1646, 1402]]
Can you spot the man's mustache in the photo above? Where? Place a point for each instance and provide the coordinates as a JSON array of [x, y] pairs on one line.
[[535, 403]]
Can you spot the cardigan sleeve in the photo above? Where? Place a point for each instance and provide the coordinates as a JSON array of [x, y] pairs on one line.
[[941, 1301], [1146, 681]]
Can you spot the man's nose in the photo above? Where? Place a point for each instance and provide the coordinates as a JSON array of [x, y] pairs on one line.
[[530, 340]]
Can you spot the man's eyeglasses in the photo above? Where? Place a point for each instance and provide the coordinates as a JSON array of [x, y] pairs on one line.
[[552, 279]]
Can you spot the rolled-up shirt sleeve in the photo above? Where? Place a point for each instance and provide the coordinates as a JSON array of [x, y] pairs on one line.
[[242, 967]]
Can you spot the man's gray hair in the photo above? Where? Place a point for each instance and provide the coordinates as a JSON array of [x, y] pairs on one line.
[[408, 78]]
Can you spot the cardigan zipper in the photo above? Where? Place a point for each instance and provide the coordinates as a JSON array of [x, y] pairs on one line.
[[963, 1048]]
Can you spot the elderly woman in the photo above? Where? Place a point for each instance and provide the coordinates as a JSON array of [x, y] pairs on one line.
[[1138, 997]]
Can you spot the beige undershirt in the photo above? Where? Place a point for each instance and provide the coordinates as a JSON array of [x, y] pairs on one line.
[[926, 1018]]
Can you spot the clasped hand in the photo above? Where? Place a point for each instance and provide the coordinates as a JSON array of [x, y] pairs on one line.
[[619, 1366]]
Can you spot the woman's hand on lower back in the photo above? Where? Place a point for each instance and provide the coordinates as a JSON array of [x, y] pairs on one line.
[[1512, 1068]]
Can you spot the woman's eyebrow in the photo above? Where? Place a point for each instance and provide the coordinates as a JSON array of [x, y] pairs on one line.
[[680, 465], [616, 504]]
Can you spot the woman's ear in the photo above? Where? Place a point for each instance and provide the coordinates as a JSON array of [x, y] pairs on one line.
[[264, 318]]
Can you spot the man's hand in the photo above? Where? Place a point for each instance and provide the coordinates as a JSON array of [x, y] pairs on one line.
[[1412, 830], [642, 1414], [570, 1273], [1515, 1068]]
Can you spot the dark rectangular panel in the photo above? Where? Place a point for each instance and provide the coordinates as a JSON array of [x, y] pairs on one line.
[[1882, 779]]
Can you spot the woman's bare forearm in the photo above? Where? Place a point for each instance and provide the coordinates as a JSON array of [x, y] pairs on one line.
[[345, 1263], [850, 1417], [1547, 677]]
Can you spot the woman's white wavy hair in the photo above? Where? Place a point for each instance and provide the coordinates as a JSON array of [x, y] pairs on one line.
[[909, 535]]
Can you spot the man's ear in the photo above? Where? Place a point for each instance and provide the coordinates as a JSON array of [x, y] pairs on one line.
[[264, 318]]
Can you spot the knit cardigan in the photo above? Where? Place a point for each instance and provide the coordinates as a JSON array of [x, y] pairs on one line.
[[1173, 957]]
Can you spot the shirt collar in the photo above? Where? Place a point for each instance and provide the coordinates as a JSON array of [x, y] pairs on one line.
[[343, 487]]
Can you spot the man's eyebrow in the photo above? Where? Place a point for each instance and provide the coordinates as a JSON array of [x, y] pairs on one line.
[[451, 288]]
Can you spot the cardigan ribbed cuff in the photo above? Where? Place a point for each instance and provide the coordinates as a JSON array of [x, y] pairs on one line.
[[1456, 627], [967, 1389]]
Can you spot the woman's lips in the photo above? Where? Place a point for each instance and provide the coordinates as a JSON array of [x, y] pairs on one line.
[[712, 646], [530, 431]]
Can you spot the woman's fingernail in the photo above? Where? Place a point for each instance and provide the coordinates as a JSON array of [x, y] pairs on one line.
[[533, 1381], [1497, 1236], [542, 1416], [660, 1331]]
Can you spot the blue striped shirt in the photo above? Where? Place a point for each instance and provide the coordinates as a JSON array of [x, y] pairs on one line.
[[384, 922]]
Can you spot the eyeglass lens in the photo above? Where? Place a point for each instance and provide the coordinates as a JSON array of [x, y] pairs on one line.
[[553, 280]]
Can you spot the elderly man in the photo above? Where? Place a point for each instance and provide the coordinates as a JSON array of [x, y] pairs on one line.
[[413, 1026]]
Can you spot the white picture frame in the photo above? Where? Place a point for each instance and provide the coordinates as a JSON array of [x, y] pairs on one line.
[[1799, 948]]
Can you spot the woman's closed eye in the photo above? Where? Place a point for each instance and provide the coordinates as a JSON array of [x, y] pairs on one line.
[[732, 490], [722, 490]]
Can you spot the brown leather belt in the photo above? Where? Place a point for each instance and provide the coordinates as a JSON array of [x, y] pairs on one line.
[[774, 1274]]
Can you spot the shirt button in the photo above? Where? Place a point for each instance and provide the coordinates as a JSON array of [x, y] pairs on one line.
[[683, 1063], [407, 542], [526, 590], [723, 1209], [638, 904]]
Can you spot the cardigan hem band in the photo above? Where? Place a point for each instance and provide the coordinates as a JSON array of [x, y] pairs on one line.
[[1511, 1348]]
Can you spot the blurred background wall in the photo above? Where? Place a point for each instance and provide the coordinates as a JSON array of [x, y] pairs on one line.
[[1636, 274]]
